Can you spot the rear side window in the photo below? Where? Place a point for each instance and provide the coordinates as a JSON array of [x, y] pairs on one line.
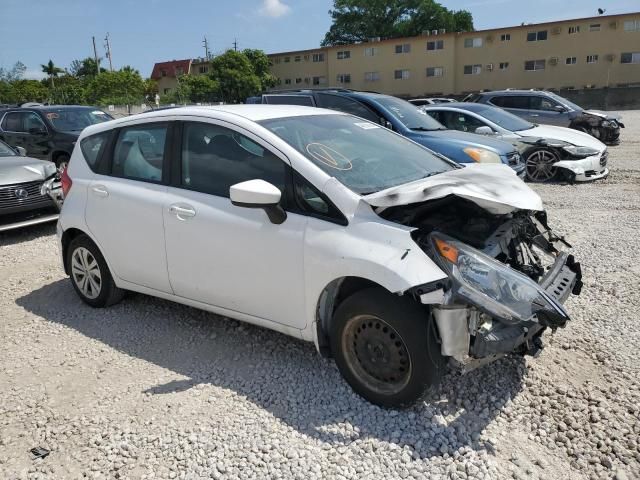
[[214, 158], [511, 101], [346, 105], [139, 152], [12, 122], [92, 146]]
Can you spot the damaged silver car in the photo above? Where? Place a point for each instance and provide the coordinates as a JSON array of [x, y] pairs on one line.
[[30, 191]]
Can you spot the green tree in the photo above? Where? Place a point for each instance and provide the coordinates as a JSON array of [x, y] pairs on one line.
[[69, 90], [122, 87], [236, 77], [197, 88], [85, 68], [358, 20], [51, 70], [150, 89], [22, 91], [261, 67], [16, 72]]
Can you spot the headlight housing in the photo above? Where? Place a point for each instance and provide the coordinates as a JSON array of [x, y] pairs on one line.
[[498, 290], [581, 152], [481, 155]]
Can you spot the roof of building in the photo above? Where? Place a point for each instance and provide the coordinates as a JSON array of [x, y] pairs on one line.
[[170, 68], [602, 18]]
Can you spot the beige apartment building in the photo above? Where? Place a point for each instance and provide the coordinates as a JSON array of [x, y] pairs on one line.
[[594, 52]]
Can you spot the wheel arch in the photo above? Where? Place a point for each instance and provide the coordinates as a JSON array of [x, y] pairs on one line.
[[56, 154], [330, 297], [67, 237]]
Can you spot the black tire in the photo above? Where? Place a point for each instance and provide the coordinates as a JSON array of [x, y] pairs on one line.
[[399, 329], [62, 161], [87, 253]]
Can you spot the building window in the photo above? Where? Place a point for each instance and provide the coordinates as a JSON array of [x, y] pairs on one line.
[[534, 65], [630, 57], [297, 58], [344, 54], [594, 27], [287, 81], [163, 73], [401, 74], [319, 80], [203, 69], [276, 60], [435, 45], [472, 69], [473, 42], [632, 26], [167, 90], [318, 57], [298, 80], [592, 58], [537, 36], [505, 37], [574, 29], [404, 48], [435, 71], [370, 51], [287, 59], [571, 61], [371, 76], [343, 78], [504, 65]]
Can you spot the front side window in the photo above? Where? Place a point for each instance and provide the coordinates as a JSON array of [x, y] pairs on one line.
[[542, 103], [33, 123], [460, 121], [76, 119], [511, 101], [214, 158], [505, 119], [139, 152], [346, 105], [407, 114], [361, 155]]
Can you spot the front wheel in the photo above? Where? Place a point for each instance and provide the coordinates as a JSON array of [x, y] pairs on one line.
[[539, 165], [386, 348], [90, 275]]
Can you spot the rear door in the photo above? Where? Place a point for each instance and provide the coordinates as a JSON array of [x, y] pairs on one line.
[[124, 204], [13, 131], [516, 104]]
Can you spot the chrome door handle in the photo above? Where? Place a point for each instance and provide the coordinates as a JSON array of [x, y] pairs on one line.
[[182, 212], [100, 191], [535, 115]]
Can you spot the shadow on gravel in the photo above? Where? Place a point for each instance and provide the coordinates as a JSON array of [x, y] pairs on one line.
[[282, 375], [26, 234]]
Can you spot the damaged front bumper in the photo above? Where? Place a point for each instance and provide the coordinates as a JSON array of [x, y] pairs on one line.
[[472, 337], [586, 169]]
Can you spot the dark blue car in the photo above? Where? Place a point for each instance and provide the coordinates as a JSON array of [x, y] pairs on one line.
[[404, 118]]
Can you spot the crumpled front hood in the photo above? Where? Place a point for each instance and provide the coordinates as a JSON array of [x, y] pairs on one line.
[[606, 115], [24, 169], [569, 135], [494, 187]]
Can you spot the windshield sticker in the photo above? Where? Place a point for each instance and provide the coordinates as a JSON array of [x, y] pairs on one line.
[[366, 125], [52, 115], [329, 156], [397, 111], [98, 112]]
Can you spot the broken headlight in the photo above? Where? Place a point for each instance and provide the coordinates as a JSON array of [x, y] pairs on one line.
[[581, 152], [490, 285]]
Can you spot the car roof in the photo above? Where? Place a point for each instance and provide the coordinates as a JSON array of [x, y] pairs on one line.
[[469, 106], [515, 92]]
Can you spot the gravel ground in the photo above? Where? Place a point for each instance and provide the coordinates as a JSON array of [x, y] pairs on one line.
[[151, 389]]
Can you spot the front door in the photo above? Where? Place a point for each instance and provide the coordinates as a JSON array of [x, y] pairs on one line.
[[229, 256], [547, 112], [124, 207]]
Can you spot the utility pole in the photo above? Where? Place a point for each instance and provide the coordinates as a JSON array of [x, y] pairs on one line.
[[235, 44], [207, 55], [107, 47], [95, 56]]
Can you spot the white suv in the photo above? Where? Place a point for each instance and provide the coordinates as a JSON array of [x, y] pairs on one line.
[[322, 226]]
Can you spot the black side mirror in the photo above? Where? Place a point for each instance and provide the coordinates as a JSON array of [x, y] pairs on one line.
[[560, 109]]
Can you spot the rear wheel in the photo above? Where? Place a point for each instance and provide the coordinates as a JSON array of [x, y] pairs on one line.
[[539, 165], [90, 275], [62, 161], [386, 348]]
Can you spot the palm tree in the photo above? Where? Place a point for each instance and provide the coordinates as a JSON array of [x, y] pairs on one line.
[[51, 70]]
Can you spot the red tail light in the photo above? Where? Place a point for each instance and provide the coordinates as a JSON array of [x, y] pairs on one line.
[[66, 181]]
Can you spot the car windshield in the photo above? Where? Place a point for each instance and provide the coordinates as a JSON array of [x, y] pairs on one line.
[[565, 102], [363, 156], [409, 115], [75, 119], [504, 119], [6, 150]]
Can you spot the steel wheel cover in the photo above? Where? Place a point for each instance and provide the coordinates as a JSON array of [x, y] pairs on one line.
[[539, 165], [85, 272], [376, 354]]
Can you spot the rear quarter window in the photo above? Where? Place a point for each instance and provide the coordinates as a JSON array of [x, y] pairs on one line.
[[92, 148]]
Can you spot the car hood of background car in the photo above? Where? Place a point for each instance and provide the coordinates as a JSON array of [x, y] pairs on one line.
[[24, 169], [569, 135], [605, 115], [494, 187], [464, 139]]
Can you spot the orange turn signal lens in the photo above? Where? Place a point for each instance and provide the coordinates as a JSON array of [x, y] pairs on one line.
[[447, 250]]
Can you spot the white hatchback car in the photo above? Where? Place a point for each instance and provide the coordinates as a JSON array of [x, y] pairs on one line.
[[322, 226]]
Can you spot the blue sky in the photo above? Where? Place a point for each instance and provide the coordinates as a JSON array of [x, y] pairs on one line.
[[145, 31]]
